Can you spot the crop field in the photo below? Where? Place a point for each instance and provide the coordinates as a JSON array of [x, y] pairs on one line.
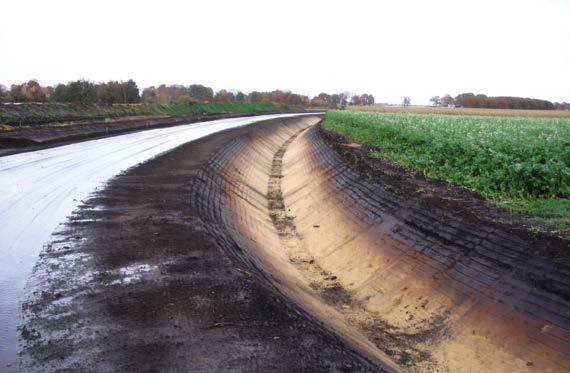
[[523, 163], [463, 111]]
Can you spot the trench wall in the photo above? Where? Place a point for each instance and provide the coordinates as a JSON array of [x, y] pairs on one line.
[[402, 283]]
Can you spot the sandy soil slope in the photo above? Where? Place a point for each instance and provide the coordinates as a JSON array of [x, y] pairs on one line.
[[264, 249]]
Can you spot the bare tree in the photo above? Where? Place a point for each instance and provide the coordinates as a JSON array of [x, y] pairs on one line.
[[406, 101]]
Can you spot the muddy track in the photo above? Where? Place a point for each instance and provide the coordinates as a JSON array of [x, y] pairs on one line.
[[262, 249], [147, 277]]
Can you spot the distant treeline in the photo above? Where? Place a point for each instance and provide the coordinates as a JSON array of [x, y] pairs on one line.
[[470, 100], [562, 105], [164, 94], [79, 91], [119, 92]]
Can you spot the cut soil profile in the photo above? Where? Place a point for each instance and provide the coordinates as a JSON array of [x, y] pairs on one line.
[[275, 247]]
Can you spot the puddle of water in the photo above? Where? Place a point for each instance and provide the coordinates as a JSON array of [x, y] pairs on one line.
[[134, 273]]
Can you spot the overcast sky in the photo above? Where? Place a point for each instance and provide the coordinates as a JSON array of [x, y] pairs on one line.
[[391, 49]]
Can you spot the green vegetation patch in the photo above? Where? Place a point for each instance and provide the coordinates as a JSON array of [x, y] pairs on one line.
[[192, 108], [523, 163]]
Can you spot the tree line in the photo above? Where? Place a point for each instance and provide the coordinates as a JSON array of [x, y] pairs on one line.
[[470, 100], [562, 105], [164, 94], [79, 91], [118, 92]]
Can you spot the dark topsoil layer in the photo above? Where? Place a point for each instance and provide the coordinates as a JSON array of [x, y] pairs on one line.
[[35, 138], [194, 307], [462, 202]]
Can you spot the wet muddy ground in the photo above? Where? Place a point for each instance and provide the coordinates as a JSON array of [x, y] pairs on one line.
[[136, 282], [39, 190]]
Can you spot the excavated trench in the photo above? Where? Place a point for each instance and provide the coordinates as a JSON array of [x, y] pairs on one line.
[[404, 285], [423, 288]]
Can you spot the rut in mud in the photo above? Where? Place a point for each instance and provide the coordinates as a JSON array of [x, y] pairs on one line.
[[263, 249]]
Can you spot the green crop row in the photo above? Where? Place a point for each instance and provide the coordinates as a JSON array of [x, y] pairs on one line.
[[506, 159]]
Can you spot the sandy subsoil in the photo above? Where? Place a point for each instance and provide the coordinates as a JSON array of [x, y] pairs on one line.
[[275, 248], [437, 278]]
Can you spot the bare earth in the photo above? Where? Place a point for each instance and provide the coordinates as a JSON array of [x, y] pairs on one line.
[[273, 248]]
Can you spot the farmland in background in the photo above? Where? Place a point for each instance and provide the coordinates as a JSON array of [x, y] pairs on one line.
[[463, 111], [522, 163]]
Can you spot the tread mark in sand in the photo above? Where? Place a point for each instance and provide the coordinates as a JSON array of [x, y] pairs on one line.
[[405, 348]]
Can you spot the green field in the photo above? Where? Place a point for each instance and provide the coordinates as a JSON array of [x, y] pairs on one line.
[[522, 163]]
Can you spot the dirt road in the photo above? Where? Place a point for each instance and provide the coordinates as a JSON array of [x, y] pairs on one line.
[[273, 248]]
